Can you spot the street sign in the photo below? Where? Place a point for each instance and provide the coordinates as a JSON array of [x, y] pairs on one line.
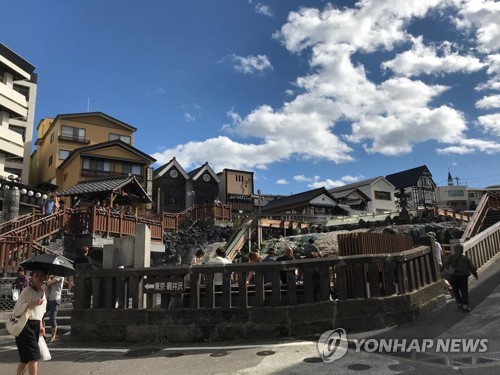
[[166, 285]]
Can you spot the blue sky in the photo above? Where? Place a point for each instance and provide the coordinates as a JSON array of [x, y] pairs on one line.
[[305, 94]]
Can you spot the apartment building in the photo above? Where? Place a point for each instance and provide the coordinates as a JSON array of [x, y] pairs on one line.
[[18, 86]]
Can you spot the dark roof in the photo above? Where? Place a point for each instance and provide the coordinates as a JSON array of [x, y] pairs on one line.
[[195, 171], [160, 171], [296, 200], [346, 193], [115, 142], [407, 178], [129, 184], [17, 60]]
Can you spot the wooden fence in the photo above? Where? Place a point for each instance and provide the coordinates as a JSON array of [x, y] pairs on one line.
[[373, 243], [402, 272]]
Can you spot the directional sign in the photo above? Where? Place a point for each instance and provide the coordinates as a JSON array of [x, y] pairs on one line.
[[167, 285]]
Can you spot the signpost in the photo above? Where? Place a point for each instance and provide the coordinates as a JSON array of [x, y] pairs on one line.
[[165, 285]]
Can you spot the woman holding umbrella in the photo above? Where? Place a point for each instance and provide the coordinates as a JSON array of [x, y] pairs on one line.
[[32, 298]]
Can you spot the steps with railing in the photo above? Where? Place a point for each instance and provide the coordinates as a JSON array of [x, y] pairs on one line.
[[484, 215]]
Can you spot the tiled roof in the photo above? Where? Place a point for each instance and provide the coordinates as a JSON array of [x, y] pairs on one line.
[[106, 185], [295, 200]]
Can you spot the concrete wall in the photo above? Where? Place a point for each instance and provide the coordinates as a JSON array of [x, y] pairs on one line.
[[224, 324]]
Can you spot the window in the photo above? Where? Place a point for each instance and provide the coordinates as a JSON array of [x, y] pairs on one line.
[[97, 165], [65, 176], [63, 154], [19, 129], [50, 160], [123, 138], [73, 134], [382, 195], [131, 168], [455, 193], [52, 138]]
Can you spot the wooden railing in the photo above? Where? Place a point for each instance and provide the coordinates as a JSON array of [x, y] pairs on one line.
[[20, 235], [484, 246], [488, 201], [401, 273]]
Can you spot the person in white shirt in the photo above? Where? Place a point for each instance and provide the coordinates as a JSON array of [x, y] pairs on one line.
[[219, 258], [54, 293], [33, 298]]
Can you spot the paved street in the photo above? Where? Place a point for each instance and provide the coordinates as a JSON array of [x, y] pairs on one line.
[[299, 357]]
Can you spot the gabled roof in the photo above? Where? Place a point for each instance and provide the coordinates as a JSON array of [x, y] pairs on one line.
[[99, 114], [355, 185], [160, 171], [198, 172], [408, 178], [346, 193], [98, 146], [296, 200], [128, 184]]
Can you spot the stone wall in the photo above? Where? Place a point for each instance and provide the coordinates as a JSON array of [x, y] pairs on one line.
[[223, 324]]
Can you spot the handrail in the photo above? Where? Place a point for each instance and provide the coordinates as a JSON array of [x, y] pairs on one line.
[[238, 239], [18, 222], [488, 200]]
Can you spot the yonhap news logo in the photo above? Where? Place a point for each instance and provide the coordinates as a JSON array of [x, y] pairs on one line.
[[333, 345]]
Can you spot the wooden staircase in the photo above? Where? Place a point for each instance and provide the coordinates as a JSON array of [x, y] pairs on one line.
[[486, 214]]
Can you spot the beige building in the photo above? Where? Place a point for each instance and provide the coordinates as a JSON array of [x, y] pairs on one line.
[[60, 136], [18, 85], [236, 189]]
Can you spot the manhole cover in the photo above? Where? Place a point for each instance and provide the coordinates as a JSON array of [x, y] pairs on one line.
[[266, 352], [141, 352], [219, 354], [313, 360], [173, 355], [400, 367], [359, 367]]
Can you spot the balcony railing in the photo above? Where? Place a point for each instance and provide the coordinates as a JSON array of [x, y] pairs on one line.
[[69, 138]]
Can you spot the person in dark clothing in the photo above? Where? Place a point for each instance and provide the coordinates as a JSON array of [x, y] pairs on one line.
[[287, 255], [83, 258], [460, 280], [270, 257]]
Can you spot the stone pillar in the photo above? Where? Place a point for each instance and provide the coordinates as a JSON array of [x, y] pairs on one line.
[[142, 247], [11, 198]]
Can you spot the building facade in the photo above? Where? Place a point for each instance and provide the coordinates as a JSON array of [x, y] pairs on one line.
[[418, 185], [236, 188], [375, 194], [59, 137], [18, 87]]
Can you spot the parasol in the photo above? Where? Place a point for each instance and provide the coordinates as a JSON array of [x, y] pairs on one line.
[[54, 264]]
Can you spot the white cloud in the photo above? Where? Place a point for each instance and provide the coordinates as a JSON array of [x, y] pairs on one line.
[[251, 64], [423, 59], [486, 102], [389, 116], [328, 184], [490, 123], [302, 178], [281, 181], [263, 9], [316, 181], [350, 179]]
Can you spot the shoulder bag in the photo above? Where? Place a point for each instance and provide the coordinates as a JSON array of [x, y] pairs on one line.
[[15, 323], [449, 270]]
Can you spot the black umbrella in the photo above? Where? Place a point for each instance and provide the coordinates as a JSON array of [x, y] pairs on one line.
[[54, 264]]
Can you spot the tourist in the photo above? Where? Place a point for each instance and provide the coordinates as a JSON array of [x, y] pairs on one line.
[[32, 298], [83, 258], [115, 209], [460, 279], [197, 259], [22, 280], [219, 258], [438, 250], [48, 206], [54, 294], [270, 257], [253, 257], [287, 255], [310, 247]]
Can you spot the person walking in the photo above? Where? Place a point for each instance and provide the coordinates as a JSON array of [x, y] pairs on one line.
[[54, 293], [34, 299], [83, 258], [460, 279]]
